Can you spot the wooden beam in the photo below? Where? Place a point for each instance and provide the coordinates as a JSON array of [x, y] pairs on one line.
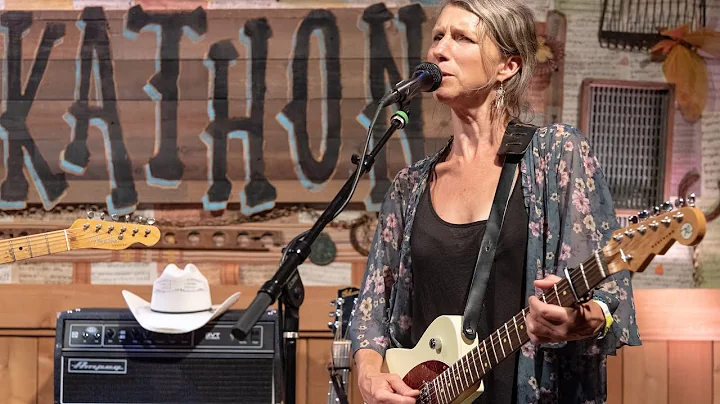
[[33, 307]]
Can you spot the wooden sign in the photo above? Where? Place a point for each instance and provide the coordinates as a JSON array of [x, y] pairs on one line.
[[256, 107]]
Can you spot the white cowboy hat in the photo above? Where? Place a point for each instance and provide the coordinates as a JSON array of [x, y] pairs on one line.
[[180, 302]]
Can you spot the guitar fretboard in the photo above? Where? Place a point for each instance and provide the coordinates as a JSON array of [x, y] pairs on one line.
[[467, 372], [20, 248]]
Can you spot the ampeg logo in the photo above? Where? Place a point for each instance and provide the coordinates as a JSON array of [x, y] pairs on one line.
[[98, 366]]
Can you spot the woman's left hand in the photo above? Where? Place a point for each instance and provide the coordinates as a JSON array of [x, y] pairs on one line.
[[551, 323]]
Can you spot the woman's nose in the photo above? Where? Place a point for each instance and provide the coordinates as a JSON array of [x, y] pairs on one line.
[[440, 51]]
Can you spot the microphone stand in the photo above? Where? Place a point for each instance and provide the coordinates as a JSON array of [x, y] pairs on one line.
[[286, 286]]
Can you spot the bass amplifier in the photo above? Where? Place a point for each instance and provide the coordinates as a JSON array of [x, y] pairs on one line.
[[105, 356]]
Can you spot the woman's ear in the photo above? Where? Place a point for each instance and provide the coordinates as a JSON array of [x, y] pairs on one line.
[[508, 69]]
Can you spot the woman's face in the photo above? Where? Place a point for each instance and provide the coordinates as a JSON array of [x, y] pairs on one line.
[[461, 55]]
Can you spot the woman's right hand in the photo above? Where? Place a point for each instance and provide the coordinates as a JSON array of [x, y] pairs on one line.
[[385, 388]]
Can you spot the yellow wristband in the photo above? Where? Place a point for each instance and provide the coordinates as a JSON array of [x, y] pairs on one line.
[[608, 318]]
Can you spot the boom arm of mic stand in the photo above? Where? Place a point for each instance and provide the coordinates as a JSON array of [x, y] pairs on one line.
[[297, 254], [287, 281]]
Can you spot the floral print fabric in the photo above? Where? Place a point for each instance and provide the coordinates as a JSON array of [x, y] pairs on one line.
[[571, 214]]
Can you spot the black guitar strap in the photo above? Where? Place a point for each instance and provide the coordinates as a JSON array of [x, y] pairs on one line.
[[514, 144]]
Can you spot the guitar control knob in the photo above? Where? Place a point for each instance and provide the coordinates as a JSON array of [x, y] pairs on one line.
[[435, 344]]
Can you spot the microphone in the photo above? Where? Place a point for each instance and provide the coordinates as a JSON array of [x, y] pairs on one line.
[[426, 77]]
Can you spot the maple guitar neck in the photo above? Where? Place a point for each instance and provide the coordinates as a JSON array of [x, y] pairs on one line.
[[36, 245], [470, 369]]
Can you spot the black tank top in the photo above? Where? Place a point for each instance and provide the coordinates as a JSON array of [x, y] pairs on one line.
[[443, 262]]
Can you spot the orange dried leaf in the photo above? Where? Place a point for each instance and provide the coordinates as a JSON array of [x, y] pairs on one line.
[[687, 70], [705, 39]]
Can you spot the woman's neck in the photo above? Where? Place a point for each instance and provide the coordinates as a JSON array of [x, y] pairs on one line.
[[477, 133]]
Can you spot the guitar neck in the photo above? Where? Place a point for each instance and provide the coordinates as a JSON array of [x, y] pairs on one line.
[[26, 247], [341, 362], [470, 369]]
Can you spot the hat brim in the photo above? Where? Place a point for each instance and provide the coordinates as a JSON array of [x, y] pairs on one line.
[[173, 323]]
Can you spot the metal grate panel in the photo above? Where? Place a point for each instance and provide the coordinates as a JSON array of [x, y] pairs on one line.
[[630, 129], [635, 24]]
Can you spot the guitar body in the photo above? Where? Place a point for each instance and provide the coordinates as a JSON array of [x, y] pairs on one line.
[[422, 363]]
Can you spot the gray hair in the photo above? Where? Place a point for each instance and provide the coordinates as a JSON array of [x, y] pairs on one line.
[[510, 24]]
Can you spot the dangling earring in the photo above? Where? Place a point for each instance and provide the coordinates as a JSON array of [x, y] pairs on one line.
[[500, 96]]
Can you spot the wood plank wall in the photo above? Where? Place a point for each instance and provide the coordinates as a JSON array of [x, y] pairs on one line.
[[678, 363], [163, 120]]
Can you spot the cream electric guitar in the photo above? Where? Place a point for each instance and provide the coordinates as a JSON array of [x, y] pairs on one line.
[[83, 234], [448, 368]]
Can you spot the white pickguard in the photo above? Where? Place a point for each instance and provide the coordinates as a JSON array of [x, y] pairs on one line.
[[447, 330]]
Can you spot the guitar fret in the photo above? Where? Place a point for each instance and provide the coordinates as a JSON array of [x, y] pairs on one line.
[[486, 353], [501, 345], [67, 241], [602, 271], [582, 271], [474, 362], [462, 371], [492, 345], [454, 381], [29, 246], [508, 335], [435, 389], [517, 330], [444, 388], [47, 242], [448, 384], [481, 359], [443, 384], [543, 297], [557, 295], [12, 251]]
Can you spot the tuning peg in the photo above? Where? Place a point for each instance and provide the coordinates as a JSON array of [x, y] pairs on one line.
[[90, 214], [114, 217], [633, 219], [150, 221], [667, 206], [691, 199], [679, 202], [643, 214], [656, 210], [102, 215], [127, 218], [139, 219]]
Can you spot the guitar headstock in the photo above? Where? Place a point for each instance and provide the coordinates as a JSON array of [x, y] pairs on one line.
[[111, 234], [342, 315], [651, 234]]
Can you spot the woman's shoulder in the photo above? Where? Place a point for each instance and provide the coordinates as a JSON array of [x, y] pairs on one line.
[[411, 174], [560, 132]]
